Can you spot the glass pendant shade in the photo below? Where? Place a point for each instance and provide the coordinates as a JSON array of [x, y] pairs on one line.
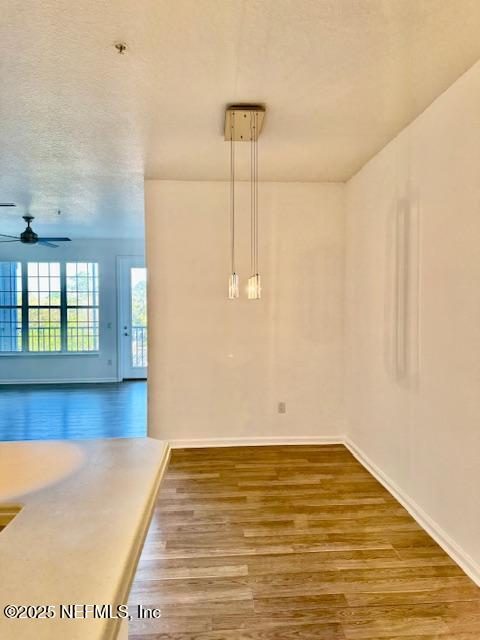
[[254, 287], [233, 286]]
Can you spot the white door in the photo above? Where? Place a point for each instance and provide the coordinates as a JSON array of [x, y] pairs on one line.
[[132, 317]]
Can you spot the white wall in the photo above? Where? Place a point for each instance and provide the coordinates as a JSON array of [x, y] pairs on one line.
[[219, 367], [419, 422], [86, 367]]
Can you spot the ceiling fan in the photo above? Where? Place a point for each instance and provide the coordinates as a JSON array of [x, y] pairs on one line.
[[30, 237]]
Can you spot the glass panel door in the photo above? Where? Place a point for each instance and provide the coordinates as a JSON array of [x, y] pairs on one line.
[[133, 317]]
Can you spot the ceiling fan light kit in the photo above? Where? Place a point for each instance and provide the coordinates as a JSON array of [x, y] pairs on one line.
[[243, 123]]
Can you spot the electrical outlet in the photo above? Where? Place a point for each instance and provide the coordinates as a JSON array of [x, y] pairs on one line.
[[282, 407], [110, 362]]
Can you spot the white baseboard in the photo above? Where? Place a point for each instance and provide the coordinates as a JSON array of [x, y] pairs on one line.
[[255, 442], [459, 555], [58, 381]]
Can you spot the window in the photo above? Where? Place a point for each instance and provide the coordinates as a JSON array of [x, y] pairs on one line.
[[10, 306], [44, 312], [82, 306], [138, 288], [49, 307]]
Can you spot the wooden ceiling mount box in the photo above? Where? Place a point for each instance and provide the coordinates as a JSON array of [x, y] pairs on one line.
[[242, 116]]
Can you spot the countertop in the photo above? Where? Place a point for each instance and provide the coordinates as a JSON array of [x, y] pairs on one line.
[[86, 508]]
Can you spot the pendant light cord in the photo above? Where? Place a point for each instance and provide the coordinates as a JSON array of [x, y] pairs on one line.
[[232, 191], [256, 192], [252, 195]]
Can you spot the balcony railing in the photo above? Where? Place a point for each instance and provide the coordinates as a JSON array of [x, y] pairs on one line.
[[48, 338], [45, 339], [139, 346]]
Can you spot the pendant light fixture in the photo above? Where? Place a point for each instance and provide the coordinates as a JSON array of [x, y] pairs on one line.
[[254, 284], [243, 123], [233, 280]]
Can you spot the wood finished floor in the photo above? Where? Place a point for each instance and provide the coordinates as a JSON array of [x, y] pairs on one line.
[[73, 411], [292, 543]]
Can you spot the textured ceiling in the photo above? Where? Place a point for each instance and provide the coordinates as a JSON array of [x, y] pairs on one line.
[[81, 125]]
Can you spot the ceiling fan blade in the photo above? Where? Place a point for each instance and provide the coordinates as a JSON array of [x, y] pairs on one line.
[[55, 239], [4, 235], [17, 240], [44, 242]]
